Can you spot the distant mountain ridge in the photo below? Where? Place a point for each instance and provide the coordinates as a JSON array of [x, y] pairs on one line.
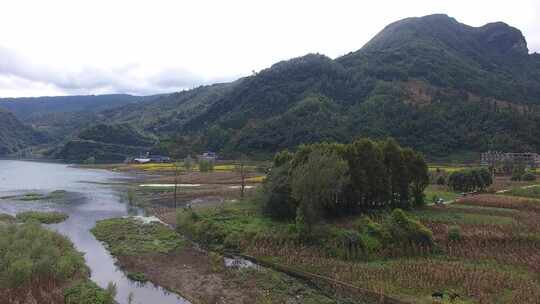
[[432, 83], [27, 107]]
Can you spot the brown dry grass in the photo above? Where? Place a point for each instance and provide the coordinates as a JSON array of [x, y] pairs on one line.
[[501, 201]]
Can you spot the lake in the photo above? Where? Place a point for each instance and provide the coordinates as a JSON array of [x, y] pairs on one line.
[[95, 195]]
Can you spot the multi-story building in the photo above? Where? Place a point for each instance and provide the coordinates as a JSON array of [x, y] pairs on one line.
[[493, 158]]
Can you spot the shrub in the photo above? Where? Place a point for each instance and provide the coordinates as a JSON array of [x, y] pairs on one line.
[[438, 177], [232, 241], [208, 233], [87, 292], [185, 220], [405, 229], [368, 226], [372, 235], [441, 180], [216, 262], [206, 166], [30, 253], [137, 276], [454, 233]]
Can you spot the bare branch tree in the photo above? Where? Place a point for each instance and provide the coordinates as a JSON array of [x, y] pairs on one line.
[[176, 183]]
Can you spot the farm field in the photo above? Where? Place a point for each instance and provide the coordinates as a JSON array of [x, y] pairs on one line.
[[169, 168], [448, 167], [487, 249], [532, 191]]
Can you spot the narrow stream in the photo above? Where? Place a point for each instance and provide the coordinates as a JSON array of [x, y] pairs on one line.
[[90, 201]]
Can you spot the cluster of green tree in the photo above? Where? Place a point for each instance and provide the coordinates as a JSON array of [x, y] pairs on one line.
[[470, 180], [62, 116], [438, 177], [34, 107], [118, 134], [81, 151], [34, 262], [328, 180], [452, 124], [105, 143]]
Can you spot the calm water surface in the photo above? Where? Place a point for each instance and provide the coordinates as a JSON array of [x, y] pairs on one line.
[[91, 202]]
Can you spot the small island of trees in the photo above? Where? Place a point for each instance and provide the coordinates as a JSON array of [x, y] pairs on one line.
[[330, 180]]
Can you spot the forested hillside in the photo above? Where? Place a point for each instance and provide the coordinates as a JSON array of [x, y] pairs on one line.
[[432, 83], [32, 107], [105, 143], [14, 136], [61, 116]]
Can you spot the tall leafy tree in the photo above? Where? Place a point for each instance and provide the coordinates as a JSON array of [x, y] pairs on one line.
[[317, 185]]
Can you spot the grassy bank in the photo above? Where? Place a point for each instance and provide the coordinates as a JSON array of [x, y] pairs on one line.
[[484, 251], [40, 266], [33, 196], [157, 253], [42, 217], [125, 236], [434, 192], [532, 191]]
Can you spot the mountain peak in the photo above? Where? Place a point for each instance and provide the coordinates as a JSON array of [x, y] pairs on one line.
[[495, 38], [503, 38]]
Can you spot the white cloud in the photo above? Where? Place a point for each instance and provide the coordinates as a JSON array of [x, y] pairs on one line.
[[144, 47]]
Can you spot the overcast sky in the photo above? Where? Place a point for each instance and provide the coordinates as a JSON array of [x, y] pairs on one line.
[[68, 47]]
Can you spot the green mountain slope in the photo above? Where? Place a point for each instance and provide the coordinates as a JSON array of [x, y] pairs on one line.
[[432, 83], [492, 60], [105, 143], [61, 116], [15, 136], [30, 107]]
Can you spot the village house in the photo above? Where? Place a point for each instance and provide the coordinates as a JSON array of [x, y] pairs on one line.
[[149, 158], [208, 156]]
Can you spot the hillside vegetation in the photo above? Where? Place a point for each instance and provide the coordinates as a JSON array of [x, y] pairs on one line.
[[432, 83], [105, 143], [15, 136]]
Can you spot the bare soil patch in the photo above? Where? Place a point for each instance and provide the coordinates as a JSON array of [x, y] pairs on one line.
[[189, 272]]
